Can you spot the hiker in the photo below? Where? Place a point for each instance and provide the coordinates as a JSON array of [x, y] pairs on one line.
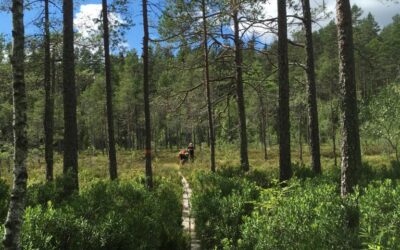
[[191, 152], [183, 156]]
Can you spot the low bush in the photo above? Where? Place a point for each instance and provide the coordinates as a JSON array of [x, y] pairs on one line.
[[261, 178], [303, 215], [42, 193], [219, 206], [4, 199], [380, 215], [108, 215], [371, 173]]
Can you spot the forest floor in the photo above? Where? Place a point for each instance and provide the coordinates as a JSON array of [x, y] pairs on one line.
[[94, 165]]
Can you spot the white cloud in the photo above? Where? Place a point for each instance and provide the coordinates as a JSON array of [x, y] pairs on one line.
[[382, 11], [87, 23], [86, 20], [270, 10]]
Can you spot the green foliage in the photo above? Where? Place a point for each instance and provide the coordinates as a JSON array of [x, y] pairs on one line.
[[120, 214], [381, 117], [303, 215], [47, 193], [372, 173], [231, 213], [107, 215], [380, 215], [50, 228], [6, 155], [219, 205], [4, 199]]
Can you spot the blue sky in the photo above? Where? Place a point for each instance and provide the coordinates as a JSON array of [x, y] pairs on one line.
[[382, 11], [133, 36]]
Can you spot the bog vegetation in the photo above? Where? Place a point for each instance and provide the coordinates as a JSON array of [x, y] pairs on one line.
[[295, 128]]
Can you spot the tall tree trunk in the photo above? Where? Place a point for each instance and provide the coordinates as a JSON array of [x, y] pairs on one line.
[[16, 208], [351, 153], [333, 132], [313, 126], [283, 79], [70, 169], [54, 82], [229, 119], [207, 87], [265, 137], [166, 138], [334, 146], [149, 174], [300, 139], [49, 103], [263, 123], [244, 159], [137, 129], [110, 117]]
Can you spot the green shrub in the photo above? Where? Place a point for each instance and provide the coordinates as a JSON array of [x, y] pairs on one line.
[[109, 215], [53, 228], [302, 171], [260, 178], [219, 204], [372, 173], [303, 215], [42, 193], [4, 199], [169, 199], [380, 215]]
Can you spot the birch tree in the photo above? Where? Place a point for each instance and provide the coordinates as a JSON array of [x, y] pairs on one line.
[[17, 202]]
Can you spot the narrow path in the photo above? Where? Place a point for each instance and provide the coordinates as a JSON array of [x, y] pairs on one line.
[[187, 221]]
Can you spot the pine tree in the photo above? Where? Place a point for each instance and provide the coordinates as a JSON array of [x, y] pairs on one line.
[[207, 87], [70, 169], [16, 208], [244, 159], [313, 126], [351, 153], [148, 153], [283, 81], [49, 103], [110, 116]]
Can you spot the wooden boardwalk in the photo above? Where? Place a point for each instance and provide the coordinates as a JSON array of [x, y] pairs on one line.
[[188, 222]]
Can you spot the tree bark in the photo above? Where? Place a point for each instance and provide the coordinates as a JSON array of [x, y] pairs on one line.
[[16, 208], [207, 87], [300, 140], [149, 174], [313, 126], [229, 133], [70, 168], [283, 79], [263, 123], [264, 136], [244, 160], [350, 148], [333, 132], [109, 105], [49, 103]]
